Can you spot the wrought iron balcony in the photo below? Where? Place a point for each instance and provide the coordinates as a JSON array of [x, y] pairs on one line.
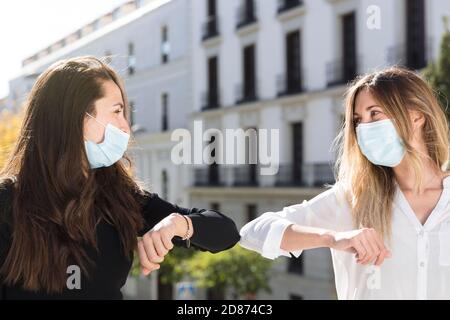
[[246, 14], [342, 71], [306, 175], [245, 175], [210, 100], [246, 93], [289, 84], [210, 28], [286, 5]]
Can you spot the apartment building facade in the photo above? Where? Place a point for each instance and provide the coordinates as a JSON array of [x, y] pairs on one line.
[[247, 64], [285, 65]]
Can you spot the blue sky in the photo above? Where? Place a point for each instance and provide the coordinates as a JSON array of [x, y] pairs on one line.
[[27, 26]]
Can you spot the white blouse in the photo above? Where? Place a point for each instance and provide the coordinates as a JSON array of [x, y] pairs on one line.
[[420, 264]]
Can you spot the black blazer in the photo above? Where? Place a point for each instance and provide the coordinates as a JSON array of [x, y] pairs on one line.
[[214, 232]]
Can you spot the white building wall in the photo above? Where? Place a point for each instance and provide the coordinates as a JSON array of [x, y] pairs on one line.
[[184, 78]]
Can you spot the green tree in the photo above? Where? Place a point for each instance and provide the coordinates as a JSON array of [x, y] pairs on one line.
[[174, 267], [172, 270], [438, 73], [243, 271]]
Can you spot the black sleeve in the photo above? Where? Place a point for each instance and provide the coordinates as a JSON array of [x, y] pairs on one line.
[[5, 228], [213, 231], [4, 243]]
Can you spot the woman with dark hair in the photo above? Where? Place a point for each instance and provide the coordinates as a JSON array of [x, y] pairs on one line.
[[68, 200]]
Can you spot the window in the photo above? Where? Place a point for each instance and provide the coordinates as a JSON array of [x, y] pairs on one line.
[[212, 95], [250, 175], [164, 185], [349, 47], [251, 212], [345, 68], [297, 153], [247, 92], [210, 27], [285, 5], [212, 8], [246, 13], [213, 172], [131, 59], [215, 206], [164, 112], [131, 115], [165, 45], [249, 72], [293, 62], [415, 34]]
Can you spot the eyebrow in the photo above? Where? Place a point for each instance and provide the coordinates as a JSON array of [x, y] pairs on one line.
[[118, 104], [367, 109]]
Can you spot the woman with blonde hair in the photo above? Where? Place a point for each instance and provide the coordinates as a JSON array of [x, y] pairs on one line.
[[387, 217]]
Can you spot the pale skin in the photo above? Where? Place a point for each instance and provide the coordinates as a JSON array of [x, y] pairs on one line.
[[366, 243], [155, 244]]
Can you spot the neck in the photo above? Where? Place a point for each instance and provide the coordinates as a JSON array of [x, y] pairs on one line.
[[431, 176]]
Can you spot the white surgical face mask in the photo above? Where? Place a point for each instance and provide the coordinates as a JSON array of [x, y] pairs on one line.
[[380, 143], [111, 150]]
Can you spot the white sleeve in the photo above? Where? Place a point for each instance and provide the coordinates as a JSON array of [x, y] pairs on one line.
[[264, 234]]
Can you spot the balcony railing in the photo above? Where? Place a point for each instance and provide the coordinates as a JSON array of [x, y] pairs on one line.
[[342, 71], [306, 175], [289, 175], [417, 59], [245, 175], [285, 5], [210, 28], [209, 176], [210, 100], [246, 14], [290, 84], [246, 93]]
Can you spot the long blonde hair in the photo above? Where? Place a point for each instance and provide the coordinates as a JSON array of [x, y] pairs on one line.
[[370, 188]]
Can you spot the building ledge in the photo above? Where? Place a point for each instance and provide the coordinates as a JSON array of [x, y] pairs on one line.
[[212, 42], [292, 14], [255, 191], [248, 29]]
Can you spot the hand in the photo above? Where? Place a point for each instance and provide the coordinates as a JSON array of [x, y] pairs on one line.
[[366, 243], [156, 243]]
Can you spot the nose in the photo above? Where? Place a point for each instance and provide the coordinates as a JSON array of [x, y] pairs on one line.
[[124, 126]]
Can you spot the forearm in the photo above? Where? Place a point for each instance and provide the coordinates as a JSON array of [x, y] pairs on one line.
[[297, 238], [213, 231], [209, 230]]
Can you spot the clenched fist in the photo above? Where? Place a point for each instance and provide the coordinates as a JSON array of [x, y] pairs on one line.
[[156, 243]]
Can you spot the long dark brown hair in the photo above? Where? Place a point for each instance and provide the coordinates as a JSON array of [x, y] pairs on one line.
[[57, 200]]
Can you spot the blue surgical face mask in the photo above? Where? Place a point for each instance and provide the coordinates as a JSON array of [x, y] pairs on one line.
[[111, 150], [380, 143]]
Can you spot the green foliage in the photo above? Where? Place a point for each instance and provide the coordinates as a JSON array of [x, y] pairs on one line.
[[244, 271], [438, 73], [173, 268]]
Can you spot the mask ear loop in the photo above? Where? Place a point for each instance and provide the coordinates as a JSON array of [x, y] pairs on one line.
[[95, 121]]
